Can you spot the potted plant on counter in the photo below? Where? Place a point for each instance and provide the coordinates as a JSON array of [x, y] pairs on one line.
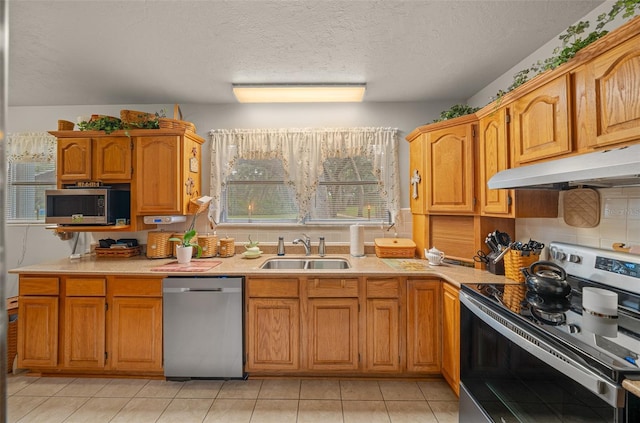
[[184, 250]]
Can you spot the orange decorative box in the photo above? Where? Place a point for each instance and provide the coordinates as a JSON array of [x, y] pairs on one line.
[[395, 248]]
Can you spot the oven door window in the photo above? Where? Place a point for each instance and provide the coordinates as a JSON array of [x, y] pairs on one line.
[[511, 385]]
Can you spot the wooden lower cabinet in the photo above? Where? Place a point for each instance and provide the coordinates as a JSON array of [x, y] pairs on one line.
[[84, 332], [423, 325], [136, 334], [332, 328], [272, 325], [93, 325], [273, 328], [38, 331], [451, 336], [383, 323]]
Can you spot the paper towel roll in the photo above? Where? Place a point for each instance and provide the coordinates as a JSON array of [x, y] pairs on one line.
[[357, 240]]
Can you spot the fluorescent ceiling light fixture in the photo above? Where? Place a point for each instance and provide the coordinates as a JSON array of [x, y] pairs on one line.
[[298, 93]]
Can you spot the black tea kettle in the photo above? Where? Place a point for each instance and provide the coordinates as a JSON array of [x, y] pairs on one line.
[[546, 278]]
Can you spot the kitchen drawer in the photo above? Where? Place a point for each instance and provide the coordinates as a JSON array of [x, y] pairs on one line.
[[383, 288], [86, 287], [273, 288], [39, 285], [135, 287], [332, 287]]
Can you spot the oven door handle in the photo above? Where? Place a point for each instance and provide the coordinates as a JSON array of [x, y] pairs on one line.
[[610, 392]]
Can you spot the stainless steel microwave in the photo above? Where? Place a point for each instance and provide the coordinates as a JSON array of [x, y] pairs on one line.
[[87, 206]]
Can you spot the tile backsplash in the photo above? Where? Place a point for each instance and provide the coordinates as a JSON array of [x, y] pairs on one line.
[[619, 222]]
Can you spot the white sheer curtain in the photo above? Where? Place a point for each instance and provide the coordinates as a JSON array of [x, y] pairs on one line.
[[31, 147], [303, 152]]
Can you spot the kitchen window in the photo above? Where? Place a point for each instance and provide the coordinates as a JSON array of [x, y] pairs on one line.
[[305, 175], [31, 170]]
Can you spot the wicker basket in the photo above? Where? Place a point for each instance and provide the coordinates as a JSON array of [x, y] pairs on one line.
[[176, 122], [514, 260], [209, 245], [395, 248], [135, 117], [12, 331], [227, 247], [158, 245], [514, 296], [118, 252], [65, 125]]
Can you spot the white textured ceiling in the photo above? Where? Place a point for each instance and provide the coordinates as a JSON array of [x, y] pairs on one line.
[[190, 51]]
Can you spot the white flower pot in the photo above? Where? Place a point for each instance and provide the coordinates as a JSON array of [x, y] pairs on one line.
[[184, 254]]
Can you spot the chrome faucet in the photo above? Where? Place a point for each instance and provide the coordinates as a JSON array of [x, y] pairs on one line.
[[306, 242]]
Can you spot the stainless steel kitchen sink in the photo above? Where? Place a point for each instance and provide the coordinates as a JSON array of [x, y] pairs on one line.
[[306, 264]]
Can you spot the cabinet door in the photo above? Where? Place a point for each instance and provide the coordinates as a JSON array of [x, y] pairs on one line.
[[450, 169], [416, 175], [494, 157], [112, 158], [540, 123], [38, 332], [614, 108], [84, 332], [332, 328], [158, 185], [136, 334], [451, 336], [383, 336], [423, 326], [74, 159], [273, 334]]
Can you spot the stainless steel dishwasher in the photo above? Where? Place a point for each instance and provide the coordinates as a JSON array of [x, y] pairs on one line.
[[202, 327]]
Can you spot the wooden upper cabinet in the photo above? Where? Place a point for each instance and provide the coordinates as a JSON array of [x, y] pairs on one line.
[[494, 157], [540, 123], [168, 174], [450, 169], [416, 175], [613, 108], [74, 159], [112, 158], [105, 159]]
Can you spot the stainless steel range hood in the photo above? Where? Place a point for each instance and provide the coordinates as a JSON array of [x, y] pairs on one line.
[[607, 168]]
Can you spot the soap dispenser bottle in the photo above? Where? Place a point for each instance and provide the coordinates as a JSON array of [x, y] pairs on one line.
[[281, 246]]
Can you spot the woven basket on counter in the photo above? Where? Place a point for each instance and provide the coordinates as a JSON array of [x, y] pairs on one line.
[[514, 260], [12, 332], [209, 245], [118, 252], [158, 245], [174, 244], [395, 248], [227, 247]]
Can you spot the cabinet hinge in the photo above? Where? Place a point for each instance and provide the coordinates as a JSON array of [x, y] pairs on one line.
[[507, 118], [106, 306], [359, 358], [105, 355], [473, 132], [131, 144], [509, 200]]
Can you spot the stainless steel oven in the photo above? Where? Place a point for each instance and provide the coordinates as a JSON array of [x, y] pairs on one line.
[[520, 362]]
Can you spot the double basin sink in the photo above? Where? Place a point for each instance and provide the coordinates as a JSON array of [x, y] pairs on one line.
[[306, 264]]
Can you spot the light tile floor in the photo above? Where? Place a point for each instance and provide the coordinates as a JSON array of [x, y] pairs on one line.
[[51, 400]]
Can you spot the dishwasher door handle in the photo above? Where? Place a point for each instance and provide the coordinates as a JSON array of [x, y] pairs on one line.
[[220, 290]]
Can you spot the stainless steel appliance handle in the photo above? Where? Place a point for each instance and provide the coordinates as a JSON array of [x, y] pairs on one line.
[[183, 290], [610, 392]]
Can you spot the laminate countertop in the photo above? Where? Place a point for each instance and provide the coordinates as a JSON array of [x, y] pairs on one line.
[[369, 265]]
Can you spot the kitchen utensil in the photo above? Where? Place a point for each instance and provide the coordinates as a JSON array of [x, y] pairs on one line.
[[502, 253], [546, 278], [434, 256], [481, 257]]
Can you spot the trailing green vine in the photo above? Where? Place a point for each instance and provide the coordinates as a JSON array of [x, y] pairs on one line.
[[108, 124], [574, 40]]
